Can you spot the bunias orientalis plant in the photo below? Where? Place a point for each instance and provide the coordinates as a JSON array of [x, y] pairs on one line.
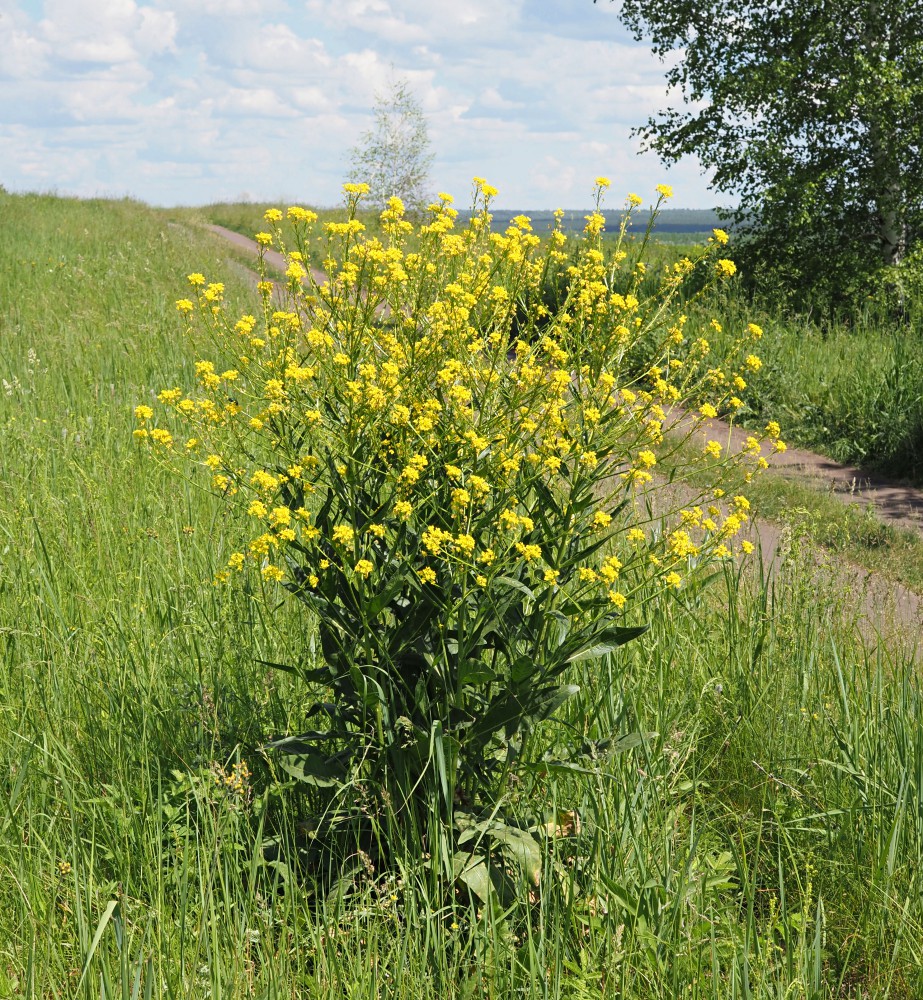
[[456, 507]]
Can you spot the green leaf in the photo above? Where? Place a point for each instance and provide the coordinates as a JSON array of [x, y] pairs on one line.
[[551, 702], [388, 592], [304, 743], [631, 740], [502, 712], [314, 769], [522, 669], [475, 874], [111, 907], [508, 581], [475, 673], [606, 641], [520, 847]]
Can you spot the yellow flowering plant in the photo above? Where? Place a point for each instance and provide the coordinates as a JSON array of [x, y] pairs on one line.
[[453, 500]]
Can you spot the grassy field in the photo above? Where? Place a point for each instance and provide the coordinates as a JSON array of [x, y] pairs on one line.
[[755, 830]]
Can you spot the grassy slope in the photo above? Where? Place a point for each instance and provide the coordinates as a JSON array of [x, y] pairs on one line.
[[765, 839]]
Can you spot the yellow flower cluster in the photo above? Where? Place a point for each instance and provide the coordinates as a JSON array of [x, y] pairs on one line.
[[405, 412]]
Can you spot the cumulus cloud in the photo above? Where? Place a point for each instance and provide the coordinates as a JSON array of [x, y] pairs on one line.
[[192, 100]]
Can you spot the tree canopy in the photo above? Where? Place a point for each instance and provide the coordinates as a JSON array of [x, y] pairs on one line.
[[810, 111], [393, 157]]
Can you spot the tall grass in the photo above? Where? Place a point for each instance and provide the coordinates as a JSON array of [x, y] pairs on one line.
[[755, 828]]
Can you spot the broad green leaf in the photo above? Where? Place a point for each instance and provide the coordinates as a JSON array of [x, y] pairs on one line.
[[314, 769], [606, 641]]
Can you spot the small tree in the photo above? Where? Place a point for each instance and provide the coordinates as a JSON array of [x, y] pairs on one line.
[[393, 157]]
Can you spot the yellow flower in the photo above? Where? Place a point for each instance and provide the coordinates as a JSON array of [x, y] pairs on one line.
[[402, 510], [603, 182], [184, 306], [673, 579], [143, 412], [427, 574], [343, 534], [480, 580], [708, 411], [550, 576], [610, 568], [364, 568], [713, 448], [647, 459], [747, 547], [280, 517], [664, 190], [529, 552], [601, 519], [634, 200], [772, 429], [719, 236], [753, 363], [196, 279], [635, 535], [725, 268], [617, 598], [681, 545], [273, 573], [464, 544], [272, 215], [434, 538]]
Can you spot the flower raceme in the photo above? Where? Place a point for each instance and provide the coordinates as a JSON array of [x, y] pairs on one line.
[[408, 395]]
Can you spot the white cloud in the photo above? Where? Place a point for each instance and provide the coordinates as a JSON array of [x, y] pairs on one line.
[[190, 100]]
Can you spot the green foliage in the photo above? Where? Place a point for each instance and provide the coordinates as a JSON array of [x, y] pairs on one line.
[[850, 388], [757, 832], [810, 113]]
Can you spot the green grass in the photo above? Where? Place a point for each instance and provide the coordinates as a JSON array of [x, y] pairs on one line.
[[853, 391], [759, 833]]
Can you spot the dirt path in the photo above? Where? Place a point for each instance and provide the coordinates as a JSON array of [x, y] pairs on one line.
[[893, 503], [272, 257], [884, 611]]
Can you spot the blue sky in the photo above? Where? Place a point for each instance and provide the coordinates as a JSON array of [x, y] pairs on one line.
[[191, 101]]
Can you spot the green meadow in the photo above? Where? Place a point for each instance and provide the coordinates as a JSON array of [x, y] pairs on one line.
[[754, 828]]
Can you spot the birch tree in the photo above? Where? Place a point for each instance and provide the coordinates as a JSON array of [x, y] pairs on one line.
[[393, 157], [808, 111]]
